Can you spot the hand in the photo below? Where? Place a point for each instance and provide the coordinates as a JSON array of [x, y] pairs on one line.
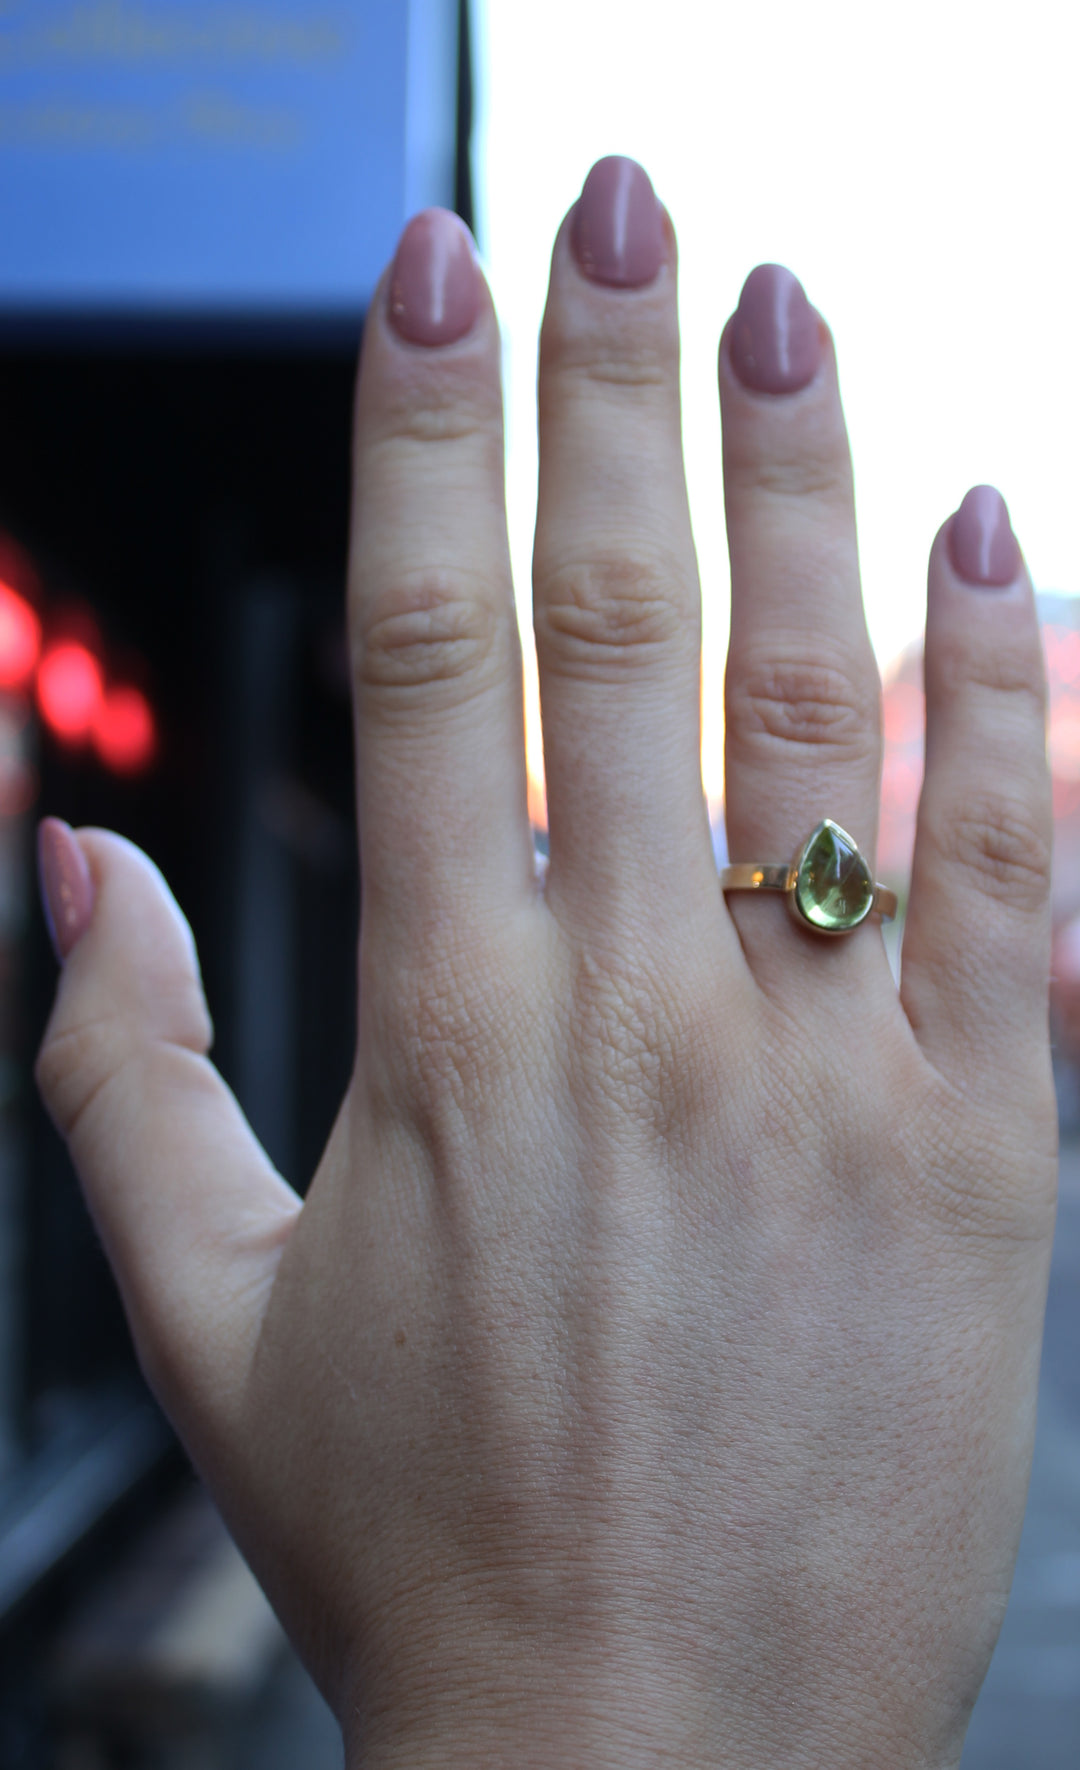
[[649, 1375]]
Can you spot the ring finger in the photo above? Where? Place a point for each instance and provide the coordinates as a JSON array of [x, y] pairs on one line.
[[803, 694]]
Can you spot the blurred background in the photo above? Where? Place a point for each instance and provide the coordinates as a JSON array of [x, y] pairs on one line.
[[196, 199]]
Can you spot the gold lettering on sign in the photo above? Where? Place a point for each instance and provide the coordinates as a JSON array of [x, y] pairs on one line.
[[124, 31], [204, 119], [63, 124], [219, 120]]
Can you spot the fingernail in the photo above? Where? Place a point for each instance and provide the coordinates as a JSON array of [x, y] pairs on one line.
[[775, 339], [435, 283], [67, 891], [618, 228], [982, 546]]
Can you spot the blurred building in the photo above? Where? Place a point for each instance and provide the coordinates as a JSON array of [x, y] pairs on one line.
[[196, 198]]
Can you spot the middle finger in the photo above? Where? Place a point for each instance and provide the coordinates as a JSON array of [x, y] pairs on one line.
[[615, 579]]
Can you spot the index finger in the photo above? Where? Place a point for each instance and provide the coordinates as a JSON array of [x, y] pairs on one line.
[[440, 755]]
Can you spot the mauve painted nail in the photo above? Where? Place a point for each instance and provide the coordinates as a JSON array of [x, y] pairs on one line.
[[618, 228], [982, 546], [67, 890], [775, 339], [435, 284]]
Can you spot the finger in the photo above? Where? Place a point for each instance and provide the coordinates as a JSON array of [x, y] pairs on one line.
[[191, 1214], [802, 690], [976, 956], [436, 659], [615, 580]]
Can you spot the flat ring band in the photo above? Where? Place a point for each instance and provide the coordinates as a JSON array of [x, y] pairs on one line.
[[828, 885]]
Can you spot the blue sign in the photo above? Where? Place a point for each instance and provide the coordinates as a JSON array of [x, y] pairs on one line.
[[217, 157]]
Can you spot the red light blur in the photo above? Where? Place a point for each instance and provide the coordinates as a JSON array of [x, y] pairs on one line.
[[123, 731], [70, 690], [20, 639]]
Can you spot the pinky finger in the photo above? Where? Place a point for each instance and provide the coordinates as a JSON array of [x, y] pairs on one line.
[[976, 955]]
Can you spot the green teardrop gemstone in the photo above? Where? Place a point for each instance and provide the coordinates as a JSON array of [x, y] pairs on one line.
[[833, 887]]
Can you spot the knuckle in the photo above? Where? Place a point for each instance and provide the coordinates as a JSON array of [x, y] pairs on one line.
[[409, 428], [449, 1052], [636, 1030], [955, 669], [619, 354], [605, 614], [433, 629], [82, 1059], [818, 704], [611, 371], [1003, 847], [995, 1190], [817, 472], [76, 1065], [448, 1042], [444, 402], [179, 1013]]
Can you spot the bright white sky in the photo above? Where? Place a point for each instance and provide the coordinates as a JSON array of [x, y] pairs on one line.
[[917, 165]]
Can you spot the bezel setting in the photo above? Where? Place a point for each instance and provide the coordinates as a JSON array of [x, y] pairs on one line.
[[832, 888]]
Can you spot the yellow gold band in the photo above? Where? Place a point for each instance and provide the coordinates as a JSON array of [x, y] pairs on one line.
[[829, 886], [747, 876]]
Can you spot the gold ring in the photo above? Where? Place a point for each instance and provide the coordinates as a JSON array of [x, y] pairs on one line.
[[829, 885]]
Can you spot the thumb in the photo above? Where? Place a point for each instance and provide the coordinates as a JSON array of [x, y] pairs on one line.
[[191, 1213]]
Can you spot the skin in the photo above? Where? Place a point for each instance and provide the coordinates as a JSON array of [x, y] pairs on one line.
[[649, 1375]]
